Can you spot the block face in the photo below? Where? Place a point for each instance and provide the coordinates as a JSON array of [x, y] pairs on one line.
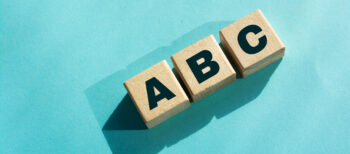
[[210, 76], [252, 31], [159, 78]]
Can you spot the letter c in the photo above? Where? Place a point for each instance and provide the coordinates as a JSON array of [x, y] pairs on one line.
[[242, 39]]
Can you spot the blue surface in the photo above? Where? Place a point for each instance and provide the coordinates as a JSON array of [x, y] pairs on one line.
[[63, 62]]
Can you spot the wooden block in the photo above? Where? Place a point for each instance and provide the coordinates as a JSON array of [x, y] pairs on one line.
[[252, 43], [157, 94], [203, 67]]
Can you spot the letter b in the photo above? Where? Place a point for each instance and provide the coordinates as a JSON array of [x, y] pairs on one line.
[[197, 68]]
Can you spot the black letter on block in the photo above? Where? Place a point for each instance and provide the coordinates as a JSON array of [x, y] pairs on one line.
[[242, 39], [197, 68], [164, 92]]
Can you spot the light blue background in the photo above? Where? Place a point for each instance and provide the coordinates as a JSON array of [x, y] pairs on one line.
[[63, 62]]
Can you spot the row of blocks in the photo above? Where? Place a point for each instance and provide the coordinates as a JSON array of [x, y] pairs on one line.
[[251, 44]]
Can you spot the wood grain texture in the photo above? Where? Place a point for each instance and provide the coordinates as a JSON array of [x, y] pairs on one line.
[[136, 88], [250, 63], [198, 90]]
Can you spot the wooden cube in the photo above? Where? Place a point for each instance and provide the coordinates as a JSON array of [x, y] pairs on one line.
[[157, 94], [203, 67], [252, 43]]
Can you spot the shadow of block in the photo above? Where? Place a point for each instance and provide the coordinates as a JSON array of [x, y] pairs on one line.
[[125, 117]]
